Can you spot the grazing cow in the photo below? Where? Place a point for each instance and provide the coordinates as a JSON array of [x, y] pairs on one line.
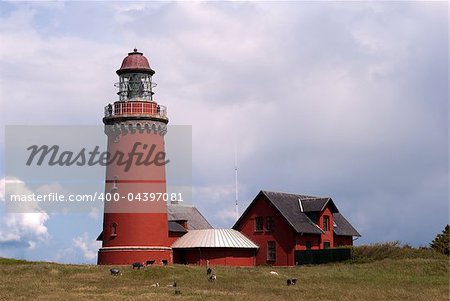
[[208, 271], [137, 265], [212, 278], [149, 262], [155, 285], [292, 281], [115, 272], [172, 285]]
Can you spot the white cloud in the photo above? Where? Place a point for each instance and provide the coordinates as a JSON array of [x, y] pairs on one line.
[[95, 213], [214, 193], [21, 229], [51, 188], [226, 216], [87, 246]]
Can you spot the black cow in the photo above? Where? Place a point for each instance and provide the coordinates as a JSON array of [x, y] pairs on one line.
[[137, 265]]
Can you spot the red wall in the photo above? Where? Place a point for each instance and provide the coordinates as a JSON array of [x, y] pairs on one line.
[[125, 256], [340, 241], [173, 236], [283, 234], [215, 256], [135, 229], [303, 239], [138, 178], [129, 255], [328, 235], [139, 223]]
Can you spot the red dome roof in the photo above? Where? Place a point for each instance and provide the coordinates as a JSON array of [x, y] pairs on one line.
[[135, 61]]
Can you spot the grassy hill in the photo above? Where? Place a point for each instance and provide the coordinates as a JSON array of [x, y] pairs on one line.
[[378, 272]]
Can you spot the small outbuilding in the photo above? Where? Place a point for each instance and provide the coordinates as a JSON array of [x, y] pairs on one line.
[[226, 247]]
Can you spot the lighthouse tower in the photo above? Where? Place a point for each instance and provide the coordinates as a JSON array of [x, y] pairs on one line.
[[135, 219]]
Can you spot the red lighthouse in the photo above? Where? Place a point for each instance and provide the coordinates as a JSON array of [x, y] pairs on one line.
[[135, 225]]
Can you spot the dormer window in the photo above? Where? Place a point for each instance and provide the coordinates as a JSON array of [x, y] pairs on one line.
[[326, 223]]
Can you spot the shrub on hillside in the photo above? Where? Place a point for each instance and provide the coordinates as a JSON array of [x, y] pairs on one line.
[[442, 241], [392, 250]]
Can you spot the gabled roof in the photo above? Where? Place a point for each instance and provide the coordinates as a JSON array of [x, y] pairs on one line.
[[317, 204], [195, 220], [343, 227], [297, 210], [288, 205], [214, 238]]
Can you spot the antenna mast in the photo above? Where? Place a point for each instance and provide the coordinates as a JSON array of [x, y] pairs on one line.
[[236, 182]]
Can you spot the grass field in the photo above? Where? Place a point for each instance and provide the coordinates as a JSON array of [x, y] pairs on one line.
[[417, 275]]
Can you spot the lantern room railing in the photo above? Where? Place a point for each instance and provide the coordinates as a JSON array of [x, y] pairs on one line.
[[135, 108]]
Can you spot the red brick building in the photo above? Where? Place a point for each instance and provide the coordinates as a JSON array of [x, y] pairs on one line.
[[283, 224]]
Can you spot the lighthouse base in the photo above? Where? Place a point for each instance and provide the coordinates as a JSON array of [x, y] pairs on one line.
[[130, 255]]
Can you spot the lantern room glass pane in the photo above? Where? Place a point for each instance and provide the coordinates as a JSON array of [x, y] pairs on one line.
[[135, 85]]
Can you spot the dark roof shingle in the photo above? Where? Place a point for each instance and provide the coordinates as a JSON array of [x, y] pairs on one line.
[[343, 227], [316, 204], [195, 220], [288, 205], [176, 227]]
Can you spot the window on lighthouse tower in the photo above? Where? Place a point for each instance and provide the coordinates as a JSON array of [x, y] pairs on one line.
[[114, 229], [115, 187]]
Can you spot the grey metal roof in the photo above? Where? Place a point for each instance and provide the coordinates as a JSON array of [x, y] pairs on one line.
[[298, 210], [343, 227], [214, 238], [195, 220], [176, 227]]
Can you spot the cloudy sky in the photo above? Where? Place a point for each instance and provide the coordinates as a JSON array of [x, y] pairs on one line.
[[348, 100]]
